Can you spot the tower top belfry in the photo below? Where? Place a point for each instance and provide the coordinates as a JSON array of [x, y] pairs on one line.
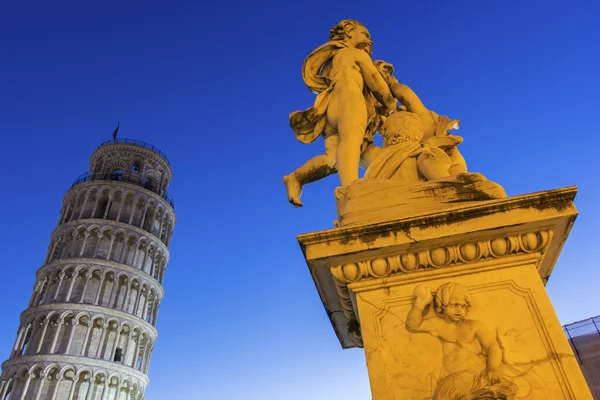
[[136, 161]]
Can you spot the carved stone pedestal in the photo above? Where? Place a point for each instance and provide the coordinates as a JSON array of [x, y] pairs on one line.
[[452, 305]]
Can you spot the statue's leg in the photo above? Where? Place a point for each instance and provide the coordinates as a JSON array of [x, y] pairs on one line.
[[351, 118], [368, 156], [316, 168]]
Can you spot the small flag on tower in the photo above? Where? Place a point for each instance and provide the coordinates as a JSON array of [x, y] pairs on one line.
[[116, 131]]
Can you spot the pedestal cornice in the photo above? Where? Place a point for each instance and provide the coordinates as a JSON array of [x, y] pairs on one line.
[[531, 227]]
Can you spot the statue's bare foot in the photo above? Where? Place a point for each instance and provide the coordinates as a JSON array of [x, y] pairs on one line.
[[294, 189]]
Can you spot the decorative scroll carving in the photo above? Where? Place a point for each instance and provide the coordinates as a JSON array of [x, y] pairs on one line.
[[348, 310], [443, 257]]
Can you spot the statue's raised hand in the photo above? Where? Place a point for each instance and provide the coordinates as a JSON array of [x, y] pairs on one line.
[[423, 296], [387, 71]]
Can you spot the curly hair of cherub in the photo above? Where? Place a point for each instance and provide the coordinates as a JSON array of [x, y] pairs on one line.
[[402, 126], [445, 292], [338, 32]]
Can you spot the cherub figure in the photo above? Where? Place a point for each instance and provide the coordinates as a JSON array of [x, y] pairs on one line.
[[472, 357], [349, 86], [405, 157], [435, 127]]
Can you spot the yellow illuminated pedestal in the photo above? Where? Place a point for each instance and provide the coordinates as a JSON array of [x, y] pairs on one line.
[[452, 304]]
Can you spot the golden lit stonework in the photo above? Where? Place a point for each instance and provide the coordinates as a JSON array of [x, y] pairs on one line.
[[431, 268]]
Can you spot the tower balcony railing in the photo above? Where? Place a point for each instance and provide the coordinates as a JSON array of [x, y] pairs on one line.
[[137, 143], [87, 177]]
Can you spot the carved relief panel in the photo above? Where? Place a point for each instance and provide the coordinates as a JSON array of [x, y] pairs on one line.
[[464, 337]]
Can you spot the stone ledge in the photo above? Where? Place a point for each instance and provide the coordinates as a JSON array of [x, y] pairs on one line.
[[494, 231], [558, 199], [93, 364], [107, 222], [97, 310], [444, 256], [126, 186], [105, 264]]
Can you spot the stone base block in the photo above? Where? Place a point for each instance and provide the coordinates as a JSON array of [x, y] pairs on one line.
[[370, 201], [451, 304], [447, 357]]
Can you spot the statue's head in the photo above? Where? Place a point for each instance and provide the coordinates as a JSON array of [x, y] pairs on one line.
[[402, 126], [452, 301], [353, 33]]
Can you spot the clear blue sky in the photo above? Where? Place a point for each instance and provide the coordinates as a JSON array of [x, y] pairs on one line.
[[211, 86]]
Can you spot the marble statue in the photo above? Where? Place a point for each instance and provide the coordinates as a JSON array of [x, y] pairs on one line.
[[419, 168], [416, 218], [415, 132], [349, 88]]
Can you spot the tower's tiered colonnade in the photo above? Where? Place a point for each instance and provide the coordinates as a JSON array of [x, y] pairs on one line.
[[89, 329]]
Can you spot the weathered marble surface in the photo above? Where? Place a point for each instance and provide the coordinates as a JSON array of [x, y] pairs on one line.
[[372, 201], [356, 99], [431, 268], [509, 312], [370, 276]]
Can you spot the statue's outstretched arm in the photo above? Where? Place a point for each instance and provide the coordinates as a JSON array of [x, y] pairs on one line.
[[374, 81], [413, 104]]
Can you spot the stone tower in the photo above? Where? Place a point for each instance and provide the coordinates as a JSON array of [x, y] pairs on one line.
[[89, 329]]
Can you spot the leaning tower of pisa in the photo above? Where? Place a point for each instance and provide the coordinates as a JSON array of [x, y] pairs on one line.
[[89, 329]]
